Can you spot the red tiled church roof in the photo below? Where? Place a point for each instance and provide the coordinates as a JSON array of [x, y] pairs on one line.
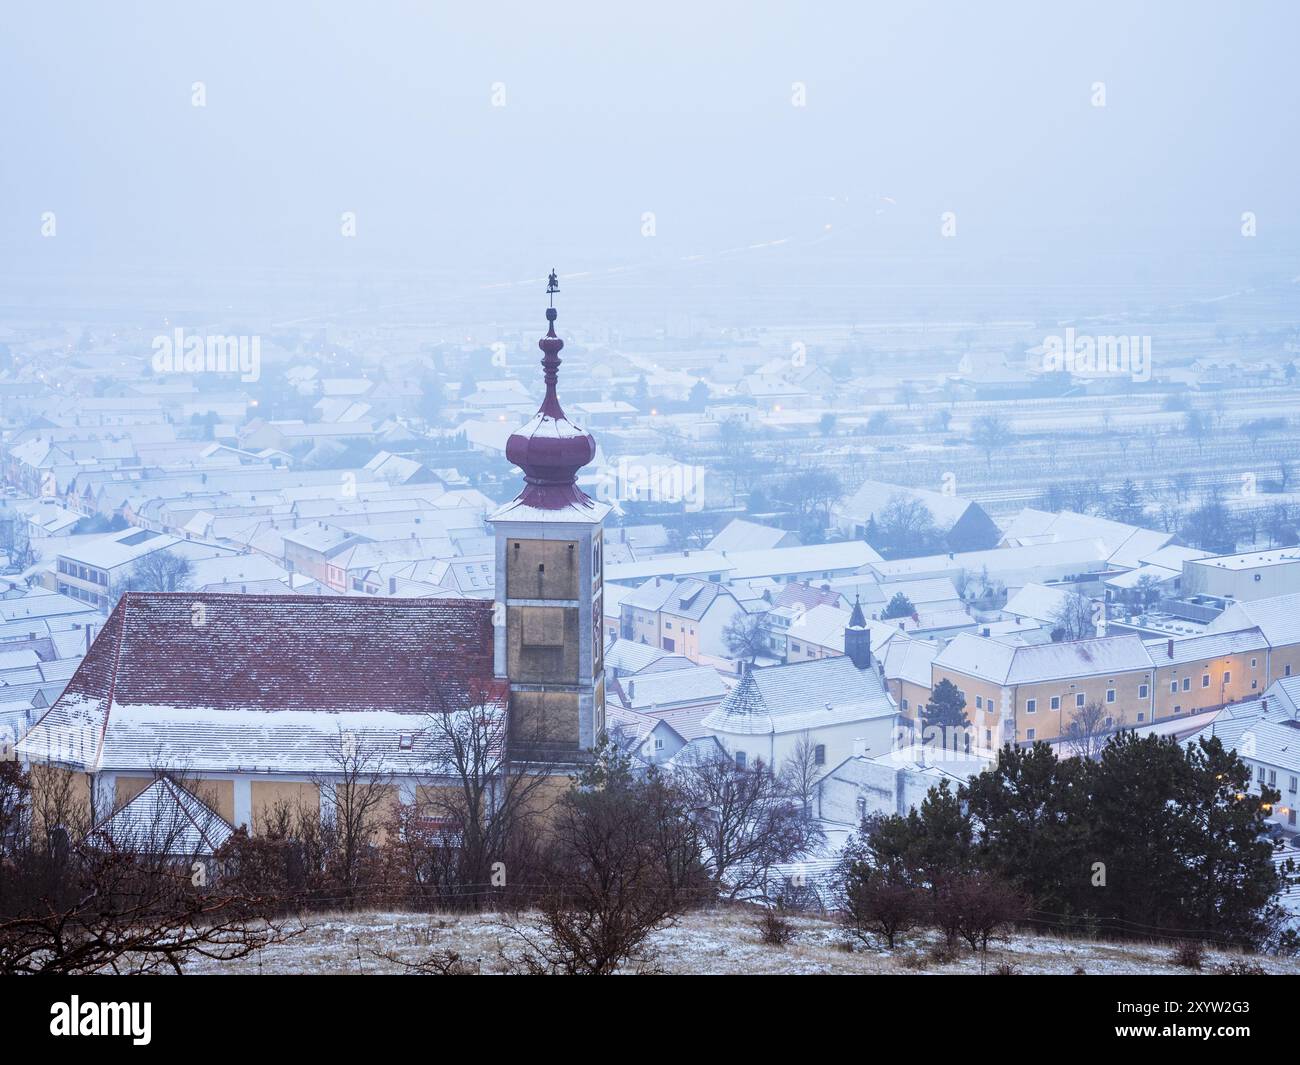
[[288, 652]]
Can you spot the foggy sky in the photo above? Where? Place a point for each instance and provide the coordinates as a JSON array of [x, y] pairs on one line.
[[683, 109]]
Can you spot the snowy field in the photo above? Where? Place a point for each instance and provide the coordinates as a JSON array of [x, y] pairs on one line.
[[717, 942]]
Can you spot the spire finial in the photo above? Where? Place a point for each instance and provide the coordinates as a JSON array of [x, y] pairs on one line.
[[551, 345]]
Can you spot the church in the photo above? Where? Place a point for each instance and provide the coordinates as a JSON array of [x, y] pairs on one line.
[[258, 698]]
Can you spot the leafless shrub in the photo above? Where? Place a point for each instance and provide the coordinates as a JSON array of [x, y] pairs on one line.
[[943, 953], [873, 905], [773, 928], [1188, 955], [435, 963], [977, 907], [1242, 967], [626, 859]]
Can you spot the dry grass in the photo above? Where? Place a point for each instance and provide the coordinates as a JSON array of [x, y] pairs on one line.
[[723, 941]]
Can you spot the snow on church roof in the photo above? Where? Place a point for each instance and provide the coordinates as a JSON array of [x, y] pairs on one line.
[[249, 681], [804, 695]]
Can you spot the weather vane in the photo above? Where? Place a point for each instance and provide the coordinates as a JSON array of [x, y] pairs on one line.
[[552, 285]]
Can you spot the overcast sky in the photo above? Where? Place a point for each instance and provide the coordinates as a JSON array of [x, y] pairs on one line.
[[613, 110]]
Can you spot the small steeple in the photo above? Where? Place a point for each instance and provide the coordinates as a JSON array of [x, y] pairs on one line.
[[857, 637], [856, 619]]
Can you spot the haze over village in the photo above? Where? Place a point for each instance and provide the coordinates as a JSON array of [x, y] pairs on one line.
[[909, 569]]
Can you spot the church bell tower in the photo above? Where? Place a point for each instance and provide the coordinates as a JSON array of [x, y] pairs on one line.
[[549, 583]]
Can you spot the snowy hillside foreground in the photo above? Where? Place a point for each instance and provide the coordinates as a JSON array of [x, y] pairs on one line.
[[716, 942]]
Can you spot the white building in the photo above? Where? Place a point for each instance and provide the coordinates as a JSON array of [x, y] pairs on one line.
[[893, 782], [839, 703]]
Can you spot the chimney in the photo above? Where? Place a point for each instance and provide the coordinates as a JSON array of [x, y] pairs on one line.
[[631, 690], [1170, 648]]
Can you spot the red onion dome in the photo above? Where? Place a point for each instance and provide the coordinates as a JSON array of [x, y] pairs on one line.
[[550, 449]]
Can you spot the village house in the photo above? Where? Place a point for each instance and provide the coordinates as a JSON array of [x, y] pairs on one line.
[[965, 525]]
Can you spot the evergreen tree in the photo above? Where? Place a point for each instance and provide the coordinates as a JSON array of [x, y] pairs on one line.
[[1229, 861], [946, 711], [699, 397], [1127, 504], [1031, 814], [899, 607], [941, 840]]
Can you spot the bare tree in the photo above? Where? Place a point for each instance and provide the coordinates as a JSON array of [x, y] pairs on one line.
[[747, 820], [1088, 729], [471, 835], [801, 770], [159, 571], [356, 794], [990, 433], [625, 860], [907, 528], [746, 635], [1073, 618]]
